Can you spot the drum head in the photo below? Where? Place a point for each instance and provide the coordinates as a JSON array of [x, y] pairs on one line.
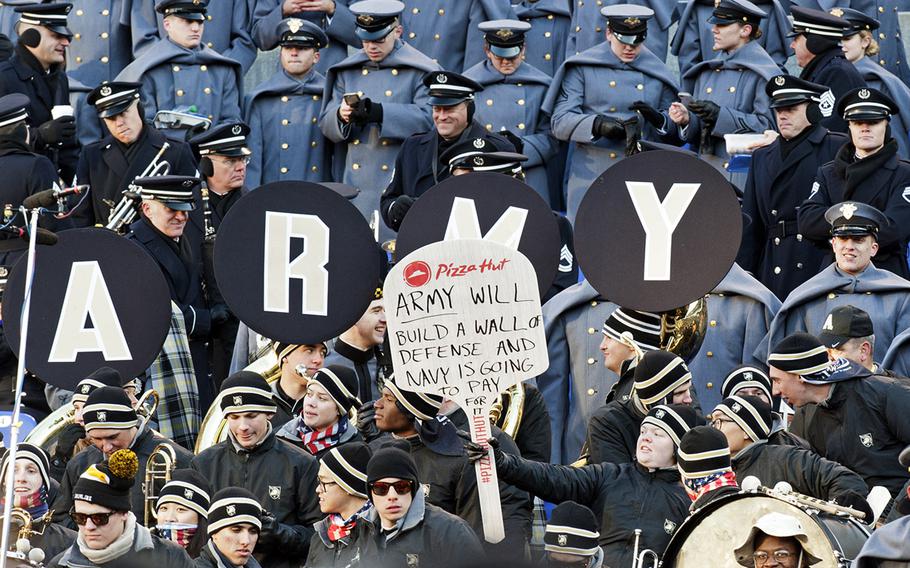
[[709, 537]]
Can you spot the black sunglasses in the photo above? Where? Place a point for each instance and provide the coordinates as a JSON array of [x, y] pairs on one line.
[[401, 487], [98, 519]]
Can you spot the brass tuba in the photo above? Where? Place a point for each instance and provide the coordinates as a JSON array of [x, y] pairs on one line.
[[158, 470], [508, 410]]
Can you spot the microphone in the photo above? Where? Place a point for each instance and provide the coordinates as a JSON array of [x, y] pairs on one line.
[[49, 197], [44, 236]]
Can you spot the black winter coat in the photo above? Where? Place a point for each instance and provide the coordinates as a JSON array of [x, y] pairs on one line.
[[833, 70], [625, 496], [148, 552], [613, 432], [54, 540], [347, 552], [283, 478]]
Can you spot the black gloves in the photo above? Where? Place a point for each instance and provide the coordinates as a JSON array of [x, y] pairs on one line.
[[475, 451], [366, 422], [856, 501], [514, 139], [608, 128], [398, 209], [366, 111], [68, 439], [56, 132], [219, 314], [707, 111], [649, 113]]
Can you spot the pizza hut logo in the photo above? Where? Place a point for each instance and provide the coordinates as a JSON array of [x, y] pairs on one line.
[[417, 273]]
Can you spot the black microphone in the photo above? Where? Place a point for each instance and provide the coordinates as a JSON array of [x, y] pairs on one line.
[[44, 236], [49, 197]]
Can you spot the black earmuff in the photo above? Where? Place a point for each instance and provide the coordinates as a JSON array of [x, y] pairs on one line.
[[206, 167], [30, 38]]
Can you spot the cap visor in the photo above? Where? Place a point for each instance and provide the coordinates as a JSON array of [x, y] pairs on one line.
[[180, 205], [865, 115], [505, 52], [629, 39], [191, 16], [445, 101], [235, 152], [62, 30], [785, 102], [115, 109], [830, 340], [298, 44], [852, 232], [376, 35], [714, 20]]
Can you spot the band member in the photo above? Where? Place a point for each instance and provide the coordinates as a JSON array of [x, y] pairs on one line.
[[181, 512], [166, 205], [586, 28], [550, 22], [753, 380], [324, 419], [181, 72], [483, 155], [604, 124], [288, 103], [851, 279], [360, 347], [860, 49], [694, 41], [403, 526], [659, 378], [31, 488], [297, 364], [108, 530], [728, 92], [650, 480], [776, 539], [374, 100], [513, 93], [866, 170], [282, 477], [418, 166], [111, 425], [235, 526], [343, 499], [704, 463], [130, 148], [627, 336], [816, 45], [571, 537], [780, 176], [36, 70], [863, 422], [746, 422]]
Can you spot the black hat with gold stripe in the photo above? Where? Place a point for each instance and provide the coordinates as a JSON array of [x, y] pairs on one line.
[[572, 529], [799, 354], [187, 488], [246, 391], [341, 384], [422, 405], [703, 451], [233, 506], [109, 408], [347, 464]]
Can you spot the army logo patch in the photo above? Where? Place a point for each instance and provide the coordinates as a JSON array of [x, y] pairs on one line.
[[631, 22], [238, 400], [188, 183], [906, 194], [747, 375], [562, 540], [866, 439], [826, 103], [848, 209], [442, 78], [236, 130], [188, 493], [829, 323], [565, 259], [426, 490], [504, 34], [659, 414], [105, 91], [412, 560], [864, 94], [837, 12], [102, 416], [478, 161], [231, 510], [479, 143], [275, 492], [294, 24], [736, 407], [669, 526], [85, 389], [780, 80]]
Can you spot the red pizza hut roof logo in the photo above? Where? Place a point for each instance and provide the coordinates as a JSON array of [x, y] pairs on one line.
[[417, 273]]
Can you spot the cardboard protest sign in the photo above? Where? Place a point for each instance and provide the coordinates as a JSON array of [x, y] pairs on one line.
[[658, 230], [464, 321], [98, 299]]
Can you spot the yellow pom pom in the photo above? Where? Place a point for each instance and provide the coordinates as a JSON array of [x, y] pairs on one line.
[[124, 464]]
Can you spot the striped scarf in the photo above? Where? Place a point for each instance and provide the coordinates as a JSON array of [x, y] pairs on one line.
[[316, 441], [699, 486], [340, 528]]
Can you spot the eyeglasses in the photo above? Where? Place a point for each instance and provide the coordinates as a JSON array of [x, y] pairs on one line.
[[324, 485], [401, 487], [98, 519], [781, 556], [718, 423]]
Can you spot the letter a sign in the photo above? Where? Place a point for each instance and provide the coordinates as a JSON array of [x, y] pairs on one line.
[[98, 299], [658, 230]]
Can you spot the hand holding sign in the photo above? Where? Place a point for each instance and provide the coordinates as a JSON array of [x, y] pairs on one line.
[[464, 322]]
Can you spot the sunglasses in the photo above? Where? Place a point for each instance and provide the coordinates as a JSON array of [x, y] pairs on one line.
[[401, 487], [98, 519]]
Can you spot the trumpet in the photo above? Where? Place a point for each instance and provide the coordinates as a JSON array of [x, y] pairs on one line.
[[125, 212], [158, 470], [640, 557]]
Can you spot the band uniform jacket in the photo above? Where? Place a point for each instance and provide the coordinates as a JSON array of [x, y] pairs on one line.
[[773, 249], [693, 40], [887, 82], [285, 140], [104, 166], [545, 42], [513, 102], [594, 83], [832, 70], [589, 27], [100, 47]]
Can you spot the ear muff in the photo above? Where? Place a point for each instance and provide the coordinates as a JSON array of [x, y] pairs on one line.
[[206, 167], [30, 38], [471, 109], [814, 113], [819, 44]]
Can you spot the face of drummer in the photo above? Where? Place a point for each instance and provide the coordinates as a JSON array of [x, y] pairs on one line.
[[109, 440], [167, 220], [126, 126], [655, 448], [249, 428], [99, 537], [781, 552]]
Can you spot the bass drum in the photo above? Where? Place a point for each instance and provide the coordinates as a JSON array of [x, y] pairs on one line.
[[709, 537]]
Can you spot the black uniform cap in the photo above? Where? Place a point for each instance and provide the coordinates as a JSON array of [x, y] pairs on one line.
[[628, 22], [295, 32], [858, 21], [176, 192], [789, 90], [110, 99], [866, 103], [809, 21], [461, 154], [505, 37], [13, 108], [193, 10], [728, 12], [843, 324], [51, 16], [228, 139], [449, 89], [854, 219]]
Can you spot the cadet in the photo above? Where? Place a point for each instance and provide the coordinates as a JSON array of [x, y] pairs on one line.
[[571, 537], [37, 70], [374, 100], [360, 347], [851, 279], [418, 166], [860, 49], [100, 47], [235, 523], [181, 72], [227, 29], [111, 425], [728, 92], [587, 28], [545, 43], [816, 45], [282, 477], [605, 123], [131, 144], [513, 92], [779, 180], [860, 420], [694, 41], [290, 388], [866, 170], [293, 95]]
